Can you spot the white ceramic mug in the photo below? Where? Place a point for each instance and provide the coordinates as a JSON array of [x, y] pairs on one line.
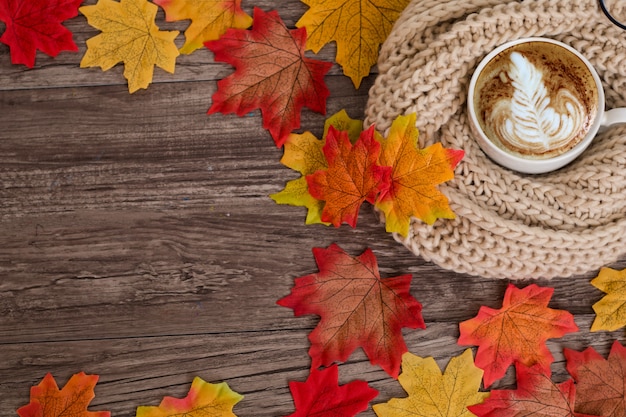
[[533, 165]]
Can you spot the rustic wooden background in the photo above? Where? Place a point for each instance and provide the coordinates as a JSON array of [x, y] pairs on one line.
[[138, 241]]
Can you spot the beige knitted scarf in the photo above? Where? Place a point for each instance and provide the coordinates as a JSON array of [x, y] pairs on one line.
[[508, 225]]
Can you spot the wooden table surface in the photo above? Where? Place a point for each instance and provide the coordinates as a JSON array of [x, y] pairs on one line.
[[138, 241]]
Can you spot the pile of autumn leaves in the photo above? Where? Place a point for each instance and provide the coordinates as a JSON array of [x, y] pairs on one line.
[[350, 166]]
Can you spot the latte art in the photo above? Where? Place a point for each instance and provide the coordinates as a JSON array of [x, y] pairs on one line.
[[530, 120], [536, 103]]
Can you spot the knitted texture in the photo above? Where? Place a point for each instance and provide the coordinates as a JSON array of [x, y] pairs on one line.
[[508, 225]]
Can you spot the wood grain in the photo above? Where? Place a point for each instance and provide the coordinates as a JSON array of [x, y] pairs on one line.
[[138, 241]]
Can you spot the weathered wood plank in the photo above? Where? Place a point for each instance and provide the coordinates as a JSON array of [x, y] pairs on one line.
[[174, 112], [151, 272], [156, 271], [65, 149]]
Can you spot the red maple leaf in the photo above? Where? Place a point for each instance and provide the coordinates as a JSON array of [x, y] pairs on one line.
[[353, 176], [271, 74], [517, 332], [36, 24], [357, 308], [321, 395], [536, 395], [46, 400], [601, 383]]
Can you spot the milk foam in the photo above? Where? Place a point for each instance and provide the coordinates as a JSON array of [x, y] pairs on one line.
[[534, 118]]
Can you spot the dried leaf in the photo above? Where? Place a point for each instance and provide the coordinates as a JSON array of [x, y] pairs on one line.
[[357, 26], [203, 400], [209, 19], [342, 122], [431, 393], [611, 309], [353, 176], [536, 395], [271, 74], [415, 175], [36, 25], [46, 400], [516, 332], [129, 35], [303, 153], [296, 193], [357, 309], [321, 395], [600, 383]]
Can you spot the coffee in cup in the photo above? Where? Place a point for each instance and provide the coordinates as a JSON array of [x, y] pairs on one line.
[[536, 99], [535, 104]]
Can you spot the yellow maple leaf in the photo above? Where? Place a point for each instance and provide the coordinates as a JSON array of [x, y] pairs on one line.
[[204, 399], [129, 35], [357, 26], [209, 19], [432, 393], [341, 121], [611, 309], [303, 153]]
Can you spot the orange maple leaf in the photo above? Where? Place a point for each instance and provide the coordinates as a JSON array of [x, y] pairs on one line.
[[203, 400], [536, 395], [357, 308], [209, 19], [271, 74], [601, 383], [415, 175], [46, 400], [516, 332], [353, 176], [303, 153]]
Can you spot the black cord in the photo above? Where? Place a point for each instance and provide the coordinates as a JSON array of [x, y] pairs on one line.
[[610, 16]]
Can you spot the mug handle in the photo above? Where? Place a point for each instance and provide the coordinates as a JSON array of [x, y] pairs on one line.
[[613, 116], [612, 18]]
